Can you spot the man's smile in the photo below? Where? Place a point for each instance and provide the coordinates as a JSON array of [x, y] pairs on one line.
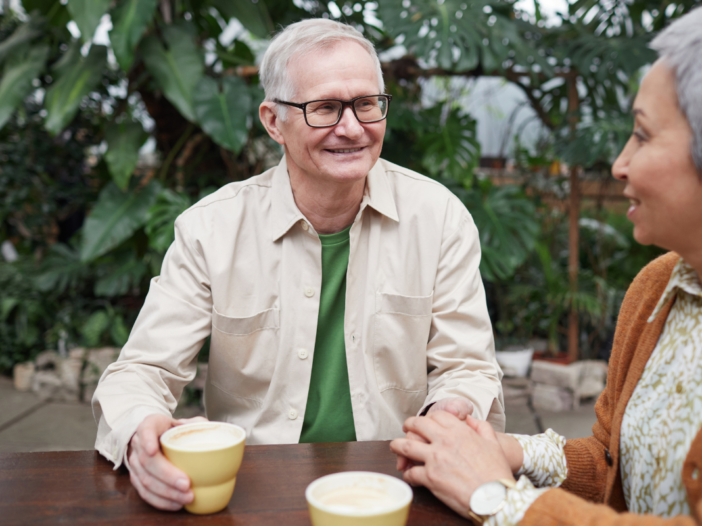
[[344, 150]]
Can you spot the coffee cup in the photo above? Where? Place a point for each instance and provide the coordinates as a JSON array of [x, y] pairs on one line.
[[358, 498], [210, 453]]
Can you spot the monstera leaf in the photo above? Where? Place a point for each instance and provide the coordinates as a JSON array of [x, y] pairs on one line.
[[129, 21], [222, 109], [22, 35], [76, 81], [115, 217], [177, 66], [17, 80], [123, 143], [455, 34], [87, 15]]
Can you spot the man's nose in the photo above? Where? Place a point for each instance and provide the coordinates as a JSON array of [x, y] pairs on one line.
[[348, 125]]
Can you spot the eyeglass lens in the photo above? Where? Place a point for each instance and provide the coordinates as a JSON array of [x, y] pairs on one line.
[[328, 112]]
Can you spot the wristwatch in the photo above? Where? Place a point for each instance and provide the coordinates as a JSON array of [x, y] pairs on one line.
[[488, 499]]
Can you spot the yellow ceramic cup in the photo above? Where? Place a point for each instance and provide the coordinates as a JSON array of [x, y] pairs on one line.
[[210, 453], [358, 498]]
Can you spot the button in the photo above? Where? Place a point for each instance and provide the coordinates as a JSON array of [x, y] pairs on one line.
[[309, 292], [292, 414], [695, 473], [679, 388], [305, 226], [302, 354], [608, 457]]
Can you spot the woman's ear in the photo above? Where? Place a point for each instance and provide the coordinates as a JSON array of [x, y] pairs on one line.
[[270, 121]]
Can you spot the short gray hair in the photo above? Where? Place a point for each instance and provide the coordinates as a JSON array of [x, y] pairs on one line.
[[299, 39], [680, 46]]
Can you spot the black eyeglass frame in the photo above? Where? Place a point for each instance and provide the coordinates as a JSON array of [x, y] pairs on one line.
[[344, 104]]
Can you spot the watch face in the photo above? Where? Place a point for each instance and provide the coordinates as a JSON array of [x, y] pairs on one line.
[[488, 498]]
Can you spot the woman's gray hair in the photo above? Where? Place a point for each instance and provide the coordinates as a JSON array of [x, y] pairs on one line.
[[301, 38], [680, 46]]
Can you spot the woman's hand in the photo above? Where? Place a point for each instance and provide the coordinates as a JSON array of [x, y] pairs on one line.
[[451, 457]]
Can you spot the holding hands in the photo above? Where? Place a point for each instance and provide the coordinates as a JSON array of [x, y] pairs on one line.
[[453, 457]]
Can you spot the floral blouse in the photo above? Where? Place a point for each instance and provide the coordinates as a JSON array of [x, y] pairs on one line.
[[661, 419]]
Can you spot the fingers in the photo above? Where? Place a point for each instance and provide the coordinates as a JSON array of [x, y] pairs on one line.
[[416, 476], [154, 490], [411, 449], [483, 429]]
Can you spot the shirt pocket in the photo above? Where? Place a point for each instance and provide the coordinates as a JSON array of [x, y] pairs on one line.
[[243, 352], [401, 327]]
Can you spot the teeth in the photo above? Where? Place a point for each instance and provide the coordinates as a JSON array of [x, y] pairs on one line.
[[346, 151]]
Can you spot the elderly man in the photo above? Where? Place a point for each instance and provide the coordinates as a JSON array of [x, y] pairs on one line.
[[341, 292]]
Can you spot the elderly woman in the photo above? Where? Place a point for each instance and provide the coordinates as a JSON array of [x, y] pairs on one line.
[[645, 455]]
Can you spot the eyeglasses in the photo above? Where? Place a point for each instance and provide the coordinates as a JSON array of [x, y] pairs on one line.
[[327, 112]]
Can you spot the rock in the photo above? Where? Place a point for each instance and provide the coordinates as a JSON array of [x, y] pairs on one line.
[[555, 374], [78, 353], [69, 372], [593, 377], [551, 398], [46, 384], [23, 374], [47, 360]]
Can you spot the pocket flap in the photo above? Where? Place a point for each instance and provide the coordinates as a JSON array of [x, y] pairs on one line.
[[267, 319], [407, 305]]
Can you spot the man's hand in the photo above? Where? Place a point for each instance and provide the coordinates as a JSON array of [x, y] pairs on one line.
[[452, 458], [457, 406], [158, 481]]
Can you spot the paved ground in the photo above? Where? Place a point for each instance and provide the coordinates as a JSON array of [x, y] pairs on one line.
[[28, 424]]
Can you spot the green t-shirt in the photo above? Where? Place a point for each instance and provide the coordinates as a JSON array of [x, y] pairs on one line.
[[328, 416]]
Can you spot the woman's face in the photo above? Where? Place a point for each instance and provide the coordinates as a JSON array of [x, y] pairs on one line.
[[662, 183]]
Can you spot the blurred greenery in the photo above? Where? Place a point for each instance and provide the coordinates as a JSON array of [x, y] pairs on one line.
[[91, 217]]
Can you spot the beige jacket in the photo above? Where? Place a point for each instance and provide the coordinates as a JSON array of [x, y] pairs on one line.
[[245, 267]]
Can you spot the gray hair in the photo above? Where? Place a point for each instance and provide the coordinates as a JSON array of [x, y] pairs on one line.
[[680, 46], [299, 39]]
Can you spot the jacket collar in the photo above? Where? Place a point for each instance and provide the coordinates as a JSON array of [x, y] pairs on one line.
[[685, 279], [377, 194]]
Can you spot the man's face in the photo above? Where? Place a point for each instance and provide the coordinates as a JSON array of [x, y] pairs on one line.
[[345, 152]]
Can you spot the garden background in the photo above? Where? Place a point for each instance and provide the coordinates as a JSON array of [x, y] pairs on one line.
[[102, 145]]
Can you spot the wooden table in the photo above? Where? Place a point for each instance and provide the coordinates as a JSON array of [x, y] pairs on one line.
[[81, 488]]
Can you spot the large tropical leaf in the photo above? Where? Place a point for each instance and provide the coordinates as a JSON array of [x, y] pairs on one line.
[[253, 15], [55, 12], [87, 15], [222, 109], [61, 270], [122, 278], [123, 143], [76, 81], [507, 225], [161, 218], [177, 66], [450, 144], [115, 217], [22, 35], [129, 20], [17, 80]]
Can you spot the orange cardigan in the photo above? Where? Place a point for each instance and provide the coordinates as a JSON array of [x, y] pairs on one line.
[[592, 494]]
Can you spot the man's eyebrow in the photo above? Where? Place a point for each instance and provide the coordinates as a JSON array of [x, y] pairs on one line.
[[638, 111]]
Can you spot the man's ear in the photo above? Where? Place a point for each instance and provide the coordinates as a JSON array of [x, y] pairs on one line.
[[270, 121]]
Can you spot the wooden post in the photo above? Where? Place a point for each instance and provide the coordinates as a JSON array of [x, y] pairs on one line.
[[574, 230]]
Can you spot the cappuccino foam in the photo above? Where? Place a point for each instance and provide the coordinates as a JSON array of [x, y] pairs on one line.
[[206, 438], [357, 499]]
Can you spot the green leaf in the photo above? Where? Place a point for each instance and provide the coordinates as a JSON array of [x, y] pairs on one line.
[[94, 327], [253, 16], [177, 67], [161, 218], [6, 307], [87, 15], [17, 80], [115, 217], [77, 81], [222, 110], [130, 20], [123, 143], [119, 331], [120, 280], [22, 35], [61, 270], [55, 12]]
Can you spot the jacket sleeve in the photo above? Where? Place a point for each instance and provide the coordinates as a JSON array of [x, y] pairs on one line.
[[160, 357], [557, 507], [461, 350]]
